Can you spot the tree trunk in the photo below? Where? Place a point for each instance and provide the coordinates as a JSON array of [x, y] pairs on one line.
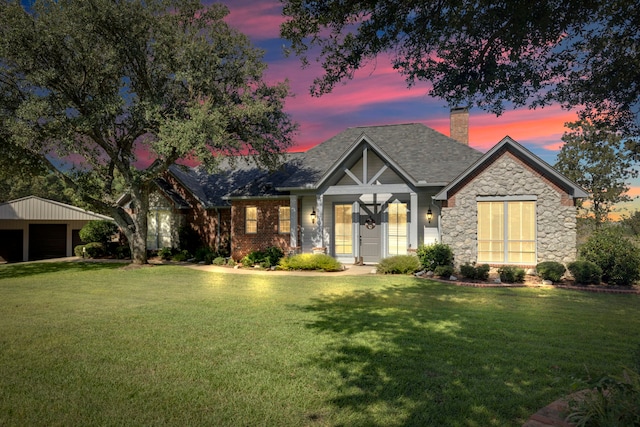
[[134, 225]]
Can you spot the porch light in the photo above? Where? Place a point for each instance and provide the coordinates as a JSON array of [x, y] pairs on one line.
[[313, 216], [429, 215]]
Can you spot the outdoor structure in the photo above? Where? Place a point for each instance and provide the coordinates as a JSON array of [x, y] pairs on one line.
[[32, 228], [377, 191]]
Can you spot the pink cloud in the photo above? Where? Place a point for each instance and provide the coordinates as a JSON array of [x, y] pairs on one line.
[[259, 20]]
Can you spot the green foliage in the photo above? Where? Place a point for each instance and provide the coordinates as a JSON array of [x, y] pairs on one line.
[[94, 250], [310, 262], [166, 253], [204, 253], [98, 231], [585, 272], [611, 401], [551, 270], [181, 256], [443, 271], [170, 75], [618, 257], [265, 258], [475, 272], [399, 264], [549, 52], [432, 256], [599, 160], [219, 261], [77, 251], [511, 274], [123, 252]]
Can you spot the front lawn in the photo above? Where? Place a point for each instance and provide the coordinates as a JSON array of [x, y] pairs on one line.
[[93, 344]]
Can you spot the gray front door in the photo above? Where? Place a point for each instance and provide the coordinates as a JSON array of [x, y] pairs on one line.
[[370, 234]]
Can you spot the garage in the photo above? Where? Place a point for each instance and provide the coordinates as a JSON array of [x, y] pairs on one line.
[[33, 228], [11, 245]]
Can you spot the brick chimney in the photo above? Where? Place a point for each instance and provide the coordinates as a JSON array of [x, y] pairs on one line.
[[459, 124]]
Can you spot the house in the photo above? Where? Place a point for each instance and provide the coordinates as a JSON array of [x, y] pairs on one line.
[[32, 228], [376, 191]]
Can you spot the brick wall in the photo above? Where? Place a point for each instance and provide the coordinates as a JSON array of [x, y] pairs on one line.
[[205, 221], [267, 234]]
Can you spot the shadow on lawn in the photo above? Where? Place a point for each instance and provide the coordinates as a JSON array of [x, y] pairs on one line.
[[33, 268], [412, 355]]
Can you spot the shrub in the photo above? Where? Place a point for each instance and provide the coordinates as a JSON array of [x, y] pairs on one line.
[[310, 262], [551, 270], [585, 272], [165, 253], [77, 251], [399, 264], [510, 274], [432, 256], [219, 261], [443, 271], [202, 253], [98, 231], [181, 256], [94, 250], [232, 262], [266, 258], [123, 251], [618, 257], [475, 272], [613, 401]]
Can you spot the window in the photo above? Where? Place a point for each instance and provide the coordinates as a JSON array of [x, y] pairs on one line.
[[343, 229], [507, 232], [397, 229], [251, 219], [284, 219]]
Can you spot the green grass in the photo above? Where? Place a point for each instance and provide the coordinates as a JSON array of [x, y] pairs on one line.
[[93, 344]]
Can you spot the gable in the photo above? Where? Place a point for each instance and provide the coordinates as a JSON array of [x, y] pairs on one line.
[[418, 154], [369, 169], [524, 159]]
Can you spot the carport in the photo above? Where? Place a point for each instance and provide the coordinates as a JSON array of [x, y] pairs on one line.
[[34, 228]]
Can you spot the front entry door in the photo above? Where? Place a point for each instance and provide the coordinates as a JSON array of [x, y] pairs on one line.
[[370, 233]]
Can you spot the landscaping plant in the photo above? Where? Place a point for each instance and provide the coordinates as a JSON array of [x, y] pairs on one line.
[[310, 262], [435, 255], [399, 264], [616, 255], [551, 270], [475, 272], [585, 272], [511, 274]]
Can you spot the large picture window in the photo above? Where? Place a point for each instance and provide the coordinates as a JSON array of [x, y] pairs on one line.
[[397, 228], [284, 219], [507, 232], [343, 229], [251, 220]]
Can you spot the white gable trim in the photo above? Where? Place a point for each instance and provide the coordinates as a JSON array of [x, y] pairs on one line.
[[361, 140], [575, 190]]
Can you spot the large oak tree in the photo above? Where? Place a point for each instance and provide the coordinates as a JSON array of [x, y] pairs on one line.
[[109, 93], [495, 54]]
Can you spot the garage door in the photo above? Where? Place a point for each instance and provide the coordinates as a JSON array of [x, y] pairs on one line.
[[11, 245], [47, 241]]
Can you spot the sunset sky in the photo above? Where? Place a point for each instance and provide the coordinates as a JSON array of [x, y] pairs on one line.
[[379, 95]]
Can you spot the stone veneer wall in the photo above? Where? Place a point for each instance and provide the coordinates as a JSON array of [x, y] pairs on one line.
[[508, 176]]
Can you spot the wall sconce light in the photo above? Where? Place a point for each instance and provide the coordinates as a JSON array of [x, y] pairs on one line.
[[429, 215], [313, 216]]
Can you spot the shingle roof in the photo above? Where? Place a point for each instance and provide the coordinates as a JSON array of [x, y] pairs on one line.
[[424, 154], [239, 178]]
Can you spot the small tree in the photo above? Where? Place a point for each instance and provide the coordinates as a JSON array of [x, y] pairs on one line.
[[98, 231], [597, 159]]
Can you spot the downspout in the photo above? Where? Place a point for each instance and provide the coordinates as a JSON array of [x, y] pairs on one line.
[[218, 230]]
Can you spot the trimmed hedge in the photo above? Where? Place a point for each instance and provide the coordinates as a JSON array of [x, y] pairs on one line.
[[475, 272], [551, 270], [399, 264], [433, 256], [310, 262], [585, 272], [510, 274]]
